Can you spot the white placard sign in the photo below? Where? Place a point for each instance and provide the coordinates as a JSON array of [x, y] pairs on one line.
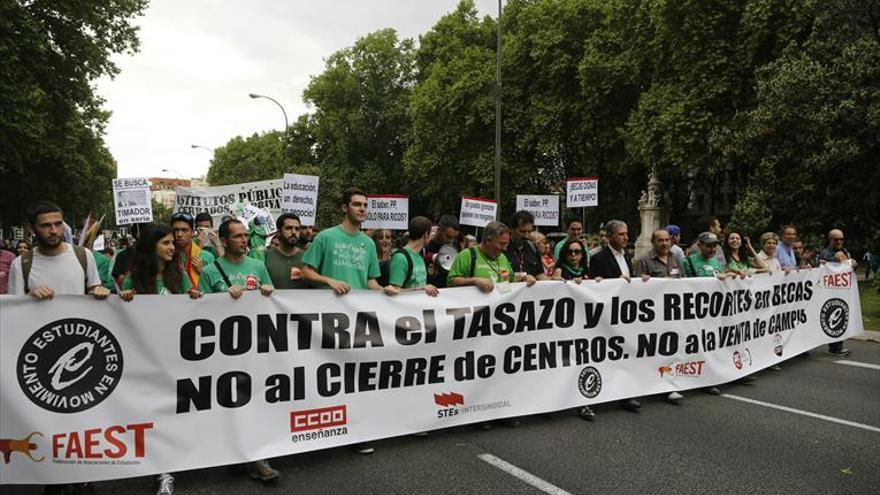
[[545, 208], [300, 197], [131, 197], [477, 212], [247, 212], [582, 191], [387, 211], [18, 233], [218, 200], [170, 384], [98, 245]]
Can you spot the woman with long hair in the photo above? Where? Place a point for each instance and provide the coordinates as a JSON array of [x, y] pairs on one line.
[[155, 270], [384, 243], [740, 255], [572, 263]]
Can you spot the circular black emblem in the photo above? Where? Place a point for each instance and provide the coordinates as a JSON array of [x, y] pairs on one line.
[[590, 382], [834, 317], [69, 365]]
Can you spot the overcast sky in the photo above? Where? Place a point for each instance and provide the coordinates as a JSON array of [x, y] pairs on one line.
[[199, 59]]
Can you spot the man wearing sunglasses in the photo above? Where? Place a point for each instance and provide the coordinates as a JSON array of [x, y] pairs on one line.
[[193, 259]]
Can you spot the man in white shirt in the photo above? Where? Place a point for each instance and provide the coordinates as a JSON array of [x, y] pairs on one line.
[[54, 266]]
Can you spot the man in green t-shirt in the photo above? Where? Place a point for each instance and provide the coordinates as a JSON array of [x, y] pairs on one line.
[[343, 258], [490, 265], [702, 262], [575, 229], [234, 272], [408, 269], [285, 262]]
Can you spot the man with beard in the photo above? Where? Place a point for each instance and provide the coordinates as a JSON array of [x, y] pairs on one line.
[[521, 252], [285, 262], [447, 233], [193, 259], [55, 267]]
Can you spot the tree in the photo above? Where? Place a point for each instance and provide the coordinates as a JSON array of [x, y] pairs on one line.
[[255, 158], [51, 121]]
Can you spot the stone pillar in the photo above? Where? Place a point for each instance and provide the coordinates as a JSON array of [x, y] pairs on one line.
[[652, 213]]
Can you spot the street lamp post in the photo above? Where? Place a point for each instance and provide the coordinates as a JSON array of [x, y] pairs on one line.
[[196, 146], [498, 119], [174, 171], [254, 96]]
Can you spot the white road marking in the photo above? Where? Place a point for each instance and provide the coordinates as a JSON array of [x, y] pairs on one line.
[[526, 476], [859, 364], [804, 413]]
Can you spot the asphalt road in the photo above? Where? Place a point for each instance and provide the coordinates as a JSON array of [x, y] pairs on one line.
[[716, 444]]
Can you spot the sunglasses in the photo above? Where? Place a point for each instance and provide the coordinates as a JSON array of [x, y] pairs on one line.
[[182, 216], [575, 251]]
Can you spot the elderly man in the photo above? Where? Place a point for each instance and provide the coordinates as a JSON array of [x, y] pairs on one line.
[[614, 262], [702, 262], [660, 262], [485, 264], [834, 252]]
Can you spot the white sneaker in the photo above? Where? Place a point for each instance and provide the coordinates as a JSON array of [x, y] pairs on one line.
[[674, 397], [166, 484]]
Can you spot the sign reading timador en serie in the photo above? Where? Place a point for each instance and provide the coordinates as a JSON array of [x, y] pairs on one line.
[[131, 198]]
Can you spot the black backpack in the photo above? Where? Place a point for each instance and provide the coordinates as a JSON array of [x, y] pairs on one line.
[[385, 268]]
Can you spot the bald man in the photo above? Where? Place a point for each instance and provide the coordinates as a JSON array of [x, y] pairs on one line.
[[836, 253]]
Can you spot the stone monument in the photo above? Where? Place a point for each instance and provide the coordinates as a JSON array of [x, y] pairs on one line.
[[652, 213]]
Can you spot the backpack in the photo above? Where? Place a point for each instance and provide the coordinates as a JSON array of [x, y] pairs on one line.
[[385, 268], [27, 262]]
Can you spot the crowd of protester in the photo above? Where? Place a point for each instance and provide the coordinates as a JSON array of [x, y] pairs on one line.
[[191, 256]]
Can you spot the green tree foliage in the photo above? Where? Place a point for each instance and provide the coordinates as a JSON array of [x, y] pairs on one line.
[[51, 121], [255, 158], [812, 140]]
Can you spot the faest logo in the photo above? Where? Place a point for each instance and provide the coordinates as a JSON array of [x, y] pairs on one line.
[[315, 419], [114, 442], [448, 402], [838, 280], [686, 368]]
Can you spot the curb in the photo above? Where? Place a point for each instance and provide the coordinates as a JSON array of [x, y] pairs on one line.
[[869, 335]]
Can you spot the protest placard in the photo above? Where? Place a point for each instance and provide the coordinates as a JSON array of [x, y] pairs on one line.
[[387, 211], [582, 191], [545, 208], [218, 200], [477, 212], [131, 197], [300, 197], [247, 212], [18, 233]]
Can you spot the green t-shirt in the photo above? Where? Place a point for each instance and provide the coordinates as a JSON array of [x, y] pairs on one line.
[[694, 266], [399, 265], [350, 258], [250, 274], [128, 284], [738, 266], [497, 270], [102, 263], [286, 271]]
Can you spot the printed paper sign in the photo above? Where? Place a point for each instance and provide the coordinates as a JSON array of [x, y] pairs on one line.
[[582, 191], [387, 211], [544, 207], [18, 233], [477, 212], [98, 245], [131, 197], [247, 212], [300, 197], [218, 200]]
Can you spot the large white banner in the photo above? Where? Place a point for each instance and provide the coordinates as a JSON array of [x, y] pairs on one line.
[[218, 200], [544, 207], [93, 390], [131, 199]]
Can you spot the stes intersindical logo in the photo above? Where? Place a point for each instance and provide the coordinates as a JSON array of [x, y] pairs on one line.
[[69, 365]]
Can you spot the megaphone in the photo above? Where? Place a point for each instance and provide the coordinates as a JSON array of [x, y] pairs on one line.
[[446, 255]]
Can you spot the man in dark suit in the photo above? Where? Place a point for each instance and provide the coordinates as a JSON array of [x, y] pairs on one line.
[[614, 262]]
